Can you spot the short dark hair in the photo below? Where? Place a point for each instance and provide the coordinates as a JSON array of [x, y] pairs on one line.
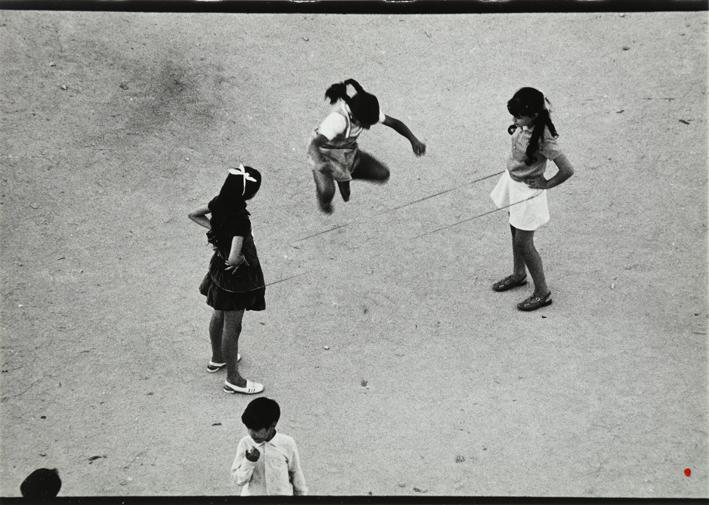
[[42, 483], [261, 413]]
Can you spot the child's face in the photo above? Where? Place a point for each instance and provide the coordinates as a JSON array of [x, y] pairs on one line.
[[524, 120], [263, 434]]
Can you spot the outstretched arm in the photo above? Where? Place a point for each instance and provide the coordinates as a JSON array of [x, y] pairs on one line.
[[199, 216], [399, 127]]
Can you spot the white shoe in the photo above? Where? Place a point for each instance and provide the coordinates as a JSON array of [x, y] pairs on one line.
[[215, 367], [251, 388]]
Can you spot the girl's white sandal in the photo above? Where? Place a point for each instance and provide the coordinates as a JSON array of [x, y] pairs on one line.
[[251, 388], [215, 367]]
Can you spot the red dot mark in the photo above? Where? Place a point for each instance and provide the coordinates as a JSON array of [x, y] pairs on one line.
[[688, 472]]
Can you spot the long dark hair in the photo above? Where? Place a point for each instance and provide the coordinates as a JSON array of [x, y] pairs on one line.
[[364, 106], [528, 102], [229, 205]]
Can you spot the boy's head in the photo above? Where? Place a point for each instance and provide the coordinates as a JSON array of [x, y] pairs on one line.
[[42, 483], [260, 418]]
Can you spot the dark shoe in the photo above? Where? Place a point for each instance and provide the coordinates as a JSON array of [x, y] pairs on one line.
[[535, 302], [509, 282]]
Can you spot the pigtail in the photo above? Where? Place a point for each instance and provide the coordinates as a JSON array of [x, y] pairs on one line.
[[542, 122], [364, 107], [337, 91], [357, 86]]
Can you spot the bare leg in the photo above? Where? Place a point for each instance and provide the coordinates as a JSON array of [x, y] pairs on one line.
[[370, 169], [518, 261], [524, 244], [325, 189], [230, 345], [215, 335]]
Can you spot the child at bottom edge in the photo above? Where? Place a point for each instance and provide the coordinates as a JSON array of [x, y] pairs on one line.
[[266, 462]]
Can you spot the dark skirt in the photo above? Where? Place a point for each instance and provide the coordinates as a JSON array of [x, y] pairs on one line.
[[242, 289], [219, 299]]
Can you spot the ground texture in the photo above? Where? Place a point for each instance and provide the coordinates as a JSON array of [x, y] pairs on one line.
[[398, 370]]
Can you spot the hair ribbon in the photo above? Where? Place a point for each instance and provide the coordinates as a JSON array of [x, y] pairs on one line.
[[244, 174]]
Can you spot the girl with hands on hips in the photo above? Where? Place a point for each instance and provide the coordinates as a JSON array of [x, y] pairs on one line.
[[522, 188]]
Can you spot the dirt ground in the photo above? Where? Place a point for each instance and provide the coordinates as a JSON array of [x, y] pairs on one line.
[[398, 370]]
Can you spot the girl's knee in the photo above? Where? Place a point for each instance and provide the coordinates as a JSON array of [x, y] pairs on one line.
[[523, 238]]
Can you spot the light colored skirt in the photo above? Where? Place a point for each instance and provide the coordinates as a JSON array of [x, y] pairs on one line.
[[339, 162], [528, 207]]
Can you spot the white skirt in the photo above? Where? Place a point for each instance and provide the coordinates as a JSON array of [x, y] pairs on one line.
[[527, 207]]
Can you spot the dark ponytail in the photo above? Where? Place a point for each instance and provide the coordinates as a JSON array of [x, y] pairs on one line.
[[542, 121], [357, 86], [337, 91]]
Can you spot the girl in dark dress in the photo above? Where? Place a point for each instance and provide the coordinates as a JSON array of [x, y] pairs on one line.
[[235, 281]]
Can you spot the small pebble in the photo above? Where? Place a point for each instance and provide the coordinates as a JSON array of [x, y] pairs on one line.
[[52, 64], [326, 347], [64, 87]]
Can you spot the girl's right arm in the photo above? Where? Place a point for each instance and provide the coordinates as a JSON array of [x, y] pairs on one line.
[[199, 216], [242, 469]]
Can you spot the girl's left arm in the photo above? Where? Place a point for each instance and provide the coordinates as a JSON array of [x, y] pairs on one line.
[[199, 216], [235, 258], [565, 171], [403, 130]]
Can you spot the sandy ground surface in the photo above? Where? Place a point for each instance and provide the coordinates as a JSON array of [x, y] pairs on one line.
[[398, 370]]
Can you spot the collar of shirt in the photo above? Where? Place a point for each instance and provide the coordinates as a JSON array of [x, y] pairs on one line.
[[261, 444]]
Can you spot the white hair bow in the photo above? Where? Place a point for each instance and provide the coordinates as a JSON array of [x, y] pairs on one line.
[[244, 174]]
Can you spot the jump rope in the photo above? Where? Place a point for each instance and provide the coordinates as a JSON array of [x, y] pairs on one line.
[[474, 181]]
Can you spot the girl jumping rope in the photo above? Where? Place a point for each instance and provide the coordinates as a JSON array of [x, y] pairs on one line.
[[523, 186], [333, 153], [235, 281]]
